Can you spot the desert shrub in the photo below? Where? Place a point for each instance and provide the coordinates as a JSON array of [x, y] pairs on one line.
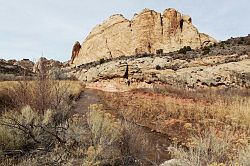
[[244, 156], [102, 60], [41, 95], [222, 45], [188, 48], [31, 128], [5, 101], [159, 51], [39, 120], [208, 148], [240, 42], [10, 139], [248, 42], [106, 134], [184, 50], [51, 138], [205, 50], [158, 67], [104, 127]]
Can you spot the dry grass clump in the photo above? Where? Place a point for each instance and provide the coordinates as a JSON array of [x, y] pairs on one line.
[[214, 149], [210, 148]]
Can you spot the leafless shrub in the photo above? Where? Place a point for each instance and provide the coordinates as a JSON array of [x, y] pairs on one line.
[[40, 94], [39, 121], [31, 129]]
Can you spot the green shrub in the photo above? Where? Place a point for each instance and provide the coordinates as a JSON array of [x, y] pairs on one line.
[[222, 45], [188, 48], [158, 67], [159, 52], [184, 50], [205, 50], [102, 60]]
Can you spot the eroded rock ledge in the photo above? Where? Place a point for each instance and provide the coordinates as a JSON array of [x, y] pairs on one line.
[[226, 64]]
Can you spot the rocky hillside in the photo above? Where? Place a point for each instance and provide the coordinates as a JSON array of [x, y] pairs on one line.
[[19, 69], [15, 70], [147, 32], [225, 64]]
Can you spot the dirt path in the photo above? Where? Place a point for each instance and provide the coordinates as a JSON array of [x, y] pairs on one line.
[[88, 97], [149, 147]]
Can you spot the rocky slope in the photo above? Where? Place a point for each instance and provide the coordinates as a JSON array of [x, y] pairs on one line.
[[15, 70], [147, 32], [226, 64], [46, 65], [26, 69]]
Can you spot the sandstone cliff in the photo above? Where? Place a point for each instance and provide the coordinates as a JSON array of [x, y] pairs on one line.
[[147, 32]]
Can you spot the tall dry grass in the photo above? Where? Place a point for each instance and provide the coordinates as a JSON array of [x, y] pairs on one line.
[[187, 116]]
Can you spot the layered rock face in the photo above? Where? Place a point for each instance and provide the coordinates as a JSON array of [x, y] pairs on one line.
[[216, 71], [147, 32]]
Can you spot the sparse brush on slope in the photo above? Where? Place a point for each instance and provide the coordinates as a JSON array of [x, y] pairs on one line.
[[186, 116]]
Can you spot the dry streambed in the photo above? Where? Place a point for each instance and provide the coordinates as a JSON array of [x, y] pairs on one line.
[[150, 147]]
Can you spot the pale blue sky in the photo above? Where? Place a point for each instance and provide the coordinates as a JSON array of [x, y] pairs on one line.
[[29, 28]]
